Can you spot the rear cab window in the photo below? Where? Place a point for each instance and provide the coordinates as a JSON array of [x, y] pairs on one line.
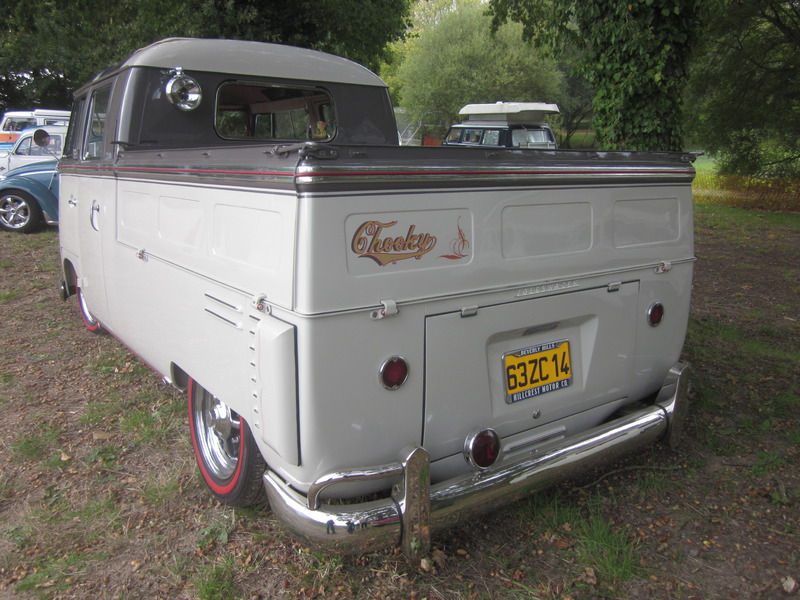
[[265, 112], [225, 112]]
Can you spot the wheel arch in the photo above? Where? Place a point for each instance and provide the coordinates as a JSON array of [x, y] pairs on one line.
[[45, 199], [70, 279], [180, 378]]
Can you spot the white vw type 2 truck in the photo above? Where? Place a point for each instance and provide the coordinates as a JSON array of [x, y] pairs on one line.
[[380, 340]]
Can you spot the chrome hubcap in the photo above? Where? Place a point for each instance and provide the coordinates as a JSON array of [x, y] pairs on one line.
[[14, 212], [218, 435]]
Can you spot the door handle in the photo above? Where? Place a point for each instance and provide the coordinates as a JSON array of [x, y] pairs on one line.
[[93, 215]]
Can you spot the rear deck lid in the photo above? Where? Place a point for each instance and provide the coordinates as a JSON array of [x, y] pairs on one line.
[[524, 365]]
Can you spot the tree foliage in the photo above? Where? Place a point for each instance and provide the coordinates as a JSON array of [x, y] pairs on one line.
[[452, 59], [745, 92], [634, 54], [50, 47]]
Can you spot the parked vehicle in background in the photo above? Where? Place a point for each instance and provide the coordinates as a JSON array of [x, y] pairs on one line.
[[505, 125], [29, 197], [14, 121], [25, 151]]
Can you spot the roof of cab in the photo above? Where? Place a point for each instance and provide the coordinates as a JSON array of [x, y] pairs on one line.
[[239, 57]]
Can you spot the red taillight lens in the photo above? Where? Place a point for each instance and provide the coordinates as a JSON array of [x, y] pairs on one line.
[[394, 372], [482, 448], [655, 314]]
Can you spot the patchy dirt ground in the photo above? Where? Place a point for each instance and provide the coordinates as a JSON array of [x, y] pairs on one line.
[[99, 496]]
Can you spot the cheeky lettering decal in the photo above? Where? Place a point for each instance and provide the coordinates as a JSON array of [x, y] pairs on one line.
[[372, 241]]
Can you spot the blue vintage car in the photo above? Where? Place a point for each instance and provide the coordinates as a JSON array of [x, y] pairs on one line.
[[29, 197]]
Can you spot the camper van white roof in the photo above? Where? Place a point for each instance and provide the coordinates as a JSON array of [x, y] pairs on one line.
[[509, 112]]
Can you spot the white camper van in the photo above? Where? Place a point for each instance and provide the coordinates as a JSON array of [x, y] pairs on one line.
[[504, 124], [441, 329]]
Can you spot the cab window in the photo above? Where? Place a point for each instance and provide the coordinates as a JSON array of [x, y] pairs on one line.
[[454, 135], [530, 137], [27, 148], [24, 147], [98, 112], [251, 111], [70, 144], [491, 137], [472, 136], [18, 123]]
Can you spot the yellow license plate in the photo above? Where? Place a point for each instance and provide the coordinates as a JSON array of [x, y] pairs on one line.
[[536, 370]]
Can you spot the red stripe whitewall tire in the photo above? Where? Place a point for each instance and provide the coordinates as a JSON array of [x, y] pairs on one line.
[[229, 460]]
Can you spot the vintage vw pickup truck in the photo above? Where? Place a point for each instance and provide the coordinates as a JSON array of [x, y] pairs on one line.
[[379, 339]]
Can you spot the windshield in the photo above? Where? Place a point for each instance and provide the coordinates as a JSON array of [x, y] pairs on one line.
[[18, 123]]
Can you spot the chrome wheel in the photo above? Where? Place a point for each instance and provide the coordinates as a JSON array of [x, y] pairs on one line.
[[218, 436], [229, 459], [19, 212]]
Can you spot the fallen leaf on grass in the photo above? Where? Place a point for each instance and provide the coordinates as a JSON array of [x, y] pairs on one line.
[[440, 558], [588, 576], [563, 543]]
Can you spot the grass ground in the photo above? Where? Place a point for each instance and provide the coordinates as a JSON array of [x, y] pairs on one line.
[[100, 499]]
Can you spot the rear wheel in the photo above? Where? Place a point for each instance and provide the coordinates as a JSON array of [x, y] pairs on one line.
[[20, 212], [229, 460]]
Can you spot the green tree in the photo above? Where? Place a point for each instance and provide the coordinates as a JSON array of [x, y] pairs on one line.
[[745, 89], [50, 47], [452, 59], [634, 54], [575, 99]]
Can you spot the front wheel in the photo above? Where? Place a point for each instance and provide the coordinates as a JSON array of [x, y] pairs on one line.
[[20, 212], [229, 460]]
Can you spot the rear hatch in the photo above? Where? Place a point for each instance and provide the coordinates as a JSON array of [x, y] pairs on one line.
[[522, 366]]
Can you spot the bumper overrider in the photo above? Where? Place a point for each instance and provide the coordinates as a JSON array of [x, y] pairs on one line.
[[416, 507]]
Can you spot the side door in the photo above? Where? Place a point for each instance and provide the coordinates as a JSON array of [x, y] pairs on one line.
[[95, 194], [68, 187]]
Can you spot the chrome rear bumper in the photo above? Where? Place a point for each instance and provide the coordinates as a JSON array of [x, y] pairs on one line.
[[416, 507]]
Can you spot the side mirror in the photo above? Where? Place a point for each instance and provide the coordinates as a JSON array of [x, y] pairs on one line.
[[41, 138]]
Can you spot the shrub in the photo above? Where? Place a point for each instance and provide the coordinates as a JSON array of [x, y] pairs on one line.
[[751, 152]]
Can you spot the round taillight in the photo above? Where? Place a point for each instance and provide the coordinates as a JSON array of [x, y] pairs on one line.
[[655, 314], [482, 448], [394, 372]]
